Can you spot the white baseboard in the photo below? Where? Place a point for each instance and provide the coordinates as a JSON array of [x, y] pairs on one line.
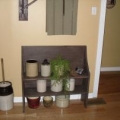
[[110, 69], [72, 97]]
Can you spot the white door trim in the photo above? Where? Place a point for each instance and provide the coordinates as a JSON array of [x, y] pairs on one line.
[[99, 47], [104, 69]]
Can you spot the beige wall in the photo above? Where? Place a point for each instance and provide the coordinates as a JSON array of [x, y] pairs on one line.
[[14, 34], [111, 55]]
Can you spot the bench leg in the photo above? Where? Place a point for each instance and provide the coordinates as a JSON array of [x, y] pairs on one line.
[[84, 98]]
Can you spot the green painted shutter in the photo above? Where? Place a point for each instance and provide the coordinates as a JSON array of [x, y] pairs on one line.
[[59, 22]]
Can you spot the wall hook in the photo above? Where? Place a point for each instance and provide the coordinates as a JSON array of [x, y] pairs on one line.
[[23, 9]]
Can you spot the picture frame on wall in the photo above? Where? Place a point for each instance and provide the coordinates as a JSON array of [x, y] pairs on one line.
[[111, 3]]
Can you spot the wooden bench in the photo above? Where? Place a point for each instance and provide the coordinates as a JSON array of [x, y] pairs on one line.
[[77, 55]]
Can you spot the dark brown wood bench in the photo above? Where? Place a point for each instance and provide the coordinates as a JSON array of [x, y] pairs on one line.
[[77, 55]]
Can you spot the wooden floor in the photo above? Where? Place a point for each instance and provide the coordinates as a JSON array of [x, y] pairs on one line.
[[76, 110], [109, 83]]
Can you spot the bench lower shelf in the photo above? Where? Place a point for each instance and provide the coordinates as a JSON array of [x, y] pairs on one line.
[[32, 92]]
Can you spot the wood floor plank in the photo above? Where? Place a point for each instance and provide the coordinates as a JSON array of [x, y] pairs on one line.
[[109, 82]]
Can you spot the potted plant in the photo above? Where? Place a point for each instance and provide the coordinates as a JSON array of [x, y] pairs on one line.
[[60, 71]]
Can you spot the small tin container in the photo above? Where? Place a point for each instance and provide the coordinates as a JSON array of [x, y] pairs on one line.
[[62, 101]]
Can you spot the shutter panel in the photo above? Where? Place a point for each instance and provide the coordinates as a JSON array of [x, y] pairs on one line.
[[59, 23]]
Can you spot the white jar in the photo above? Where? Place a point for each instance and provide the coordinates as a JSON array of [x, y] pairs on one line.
[[71, 84], [45, 68], [41, 85], [62, 101], [31, 68]]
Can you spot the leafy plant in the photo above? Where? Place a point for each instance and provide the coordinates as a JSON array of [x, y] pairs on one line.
[[60, 70]]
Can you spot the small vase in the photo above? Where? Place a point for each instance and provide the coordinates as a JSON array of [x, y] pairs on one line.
[[56, 86]]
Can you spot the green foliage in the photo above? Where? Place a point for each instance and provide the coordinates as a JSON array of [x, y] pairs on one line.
[[60, 70]]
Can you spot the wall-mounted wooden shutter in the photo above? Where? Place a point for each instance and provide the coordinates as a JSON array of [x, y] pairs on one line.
[[61, 17]]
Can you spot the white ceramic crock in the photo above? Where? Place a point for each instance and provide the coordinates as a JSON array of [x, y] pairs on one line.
[[62, 101], [31, 68], [6, 96], [71, 84], [6, 102], [41, 85], [45, 70], [56, 86]]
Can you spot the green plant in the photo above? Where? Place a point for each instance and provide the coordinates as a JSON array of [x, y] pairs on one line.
[[60, 70]]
